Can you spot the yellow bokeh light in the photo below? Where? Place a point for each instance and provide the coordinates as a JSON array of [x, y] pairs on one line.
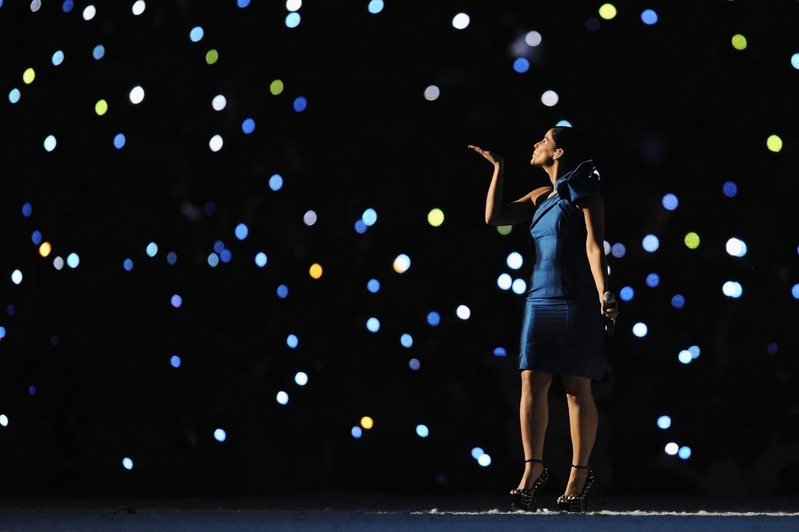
[[367, 422], [45, 249], [276, 87], [774, 143], [739, 42], [435, 217], [607, 11], [101, 107], [316, 271], [29, 76], [692, 240], [504, 229], [211, 57]]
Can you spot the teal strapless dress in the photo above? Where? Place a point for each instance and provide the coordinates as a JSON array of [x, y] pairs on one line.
[[563, 326]]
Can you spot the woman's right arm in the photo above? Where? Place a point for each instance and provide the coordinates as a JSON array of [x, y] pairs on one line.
[[497, 213]]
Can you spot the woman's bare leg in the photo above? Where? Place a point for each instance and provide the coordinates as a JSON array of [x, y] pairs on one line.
[[583, 421], [534, 416]]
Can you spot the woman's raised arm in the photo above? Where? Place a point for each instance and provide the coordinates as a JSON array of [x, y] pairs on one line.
[[498, 213]]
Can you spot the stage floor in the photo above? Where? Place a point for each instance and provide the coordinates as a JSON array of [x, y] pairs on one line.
[[367, 512]]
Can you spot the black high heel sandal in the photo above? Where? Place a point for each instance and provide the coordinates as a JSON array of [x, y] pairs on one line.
[[526, 499], [577, 503]]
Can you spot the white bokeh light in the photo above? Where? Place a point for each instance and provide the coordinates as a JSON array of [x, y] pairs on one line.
[[136, 95], [460, 21], [432, 93], [550, 98]]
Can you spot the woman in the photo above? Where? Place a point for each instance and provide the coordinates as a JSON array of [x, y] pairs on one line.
[[565, 312]]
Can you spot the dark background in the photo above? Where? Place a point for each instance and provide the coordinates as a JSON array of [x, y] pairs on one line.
[[672, 108]]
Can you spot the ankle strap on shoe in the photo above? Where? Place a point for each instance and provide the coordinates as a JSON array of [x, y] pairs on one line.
[[534, 460], [581, 466]]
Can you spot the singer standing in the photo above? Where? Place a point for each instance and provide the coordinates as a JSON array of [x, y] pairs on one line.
[[565, 311]]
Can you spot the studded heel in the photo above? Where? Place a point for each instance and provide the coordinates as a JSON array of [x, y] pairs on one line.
[[526, 499], [577, 503]]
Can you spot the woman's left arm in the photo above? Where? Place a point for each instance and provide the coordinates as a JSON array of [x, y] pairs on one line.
[[594, 212]]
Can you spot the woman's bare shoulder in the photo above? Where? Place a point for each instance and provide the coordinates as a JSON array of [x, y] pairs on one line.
[[540, 194]]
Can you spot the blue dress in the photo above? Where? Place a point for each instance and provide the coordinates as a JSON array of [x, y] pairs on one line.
[[563, 327]]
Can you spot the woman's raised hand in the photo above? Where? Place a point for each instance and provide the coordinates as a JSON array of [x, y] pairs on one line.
[[490, 156]]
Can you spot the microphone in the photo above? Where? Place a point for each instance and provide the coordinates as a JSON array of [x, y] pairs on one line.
[[610, 302]]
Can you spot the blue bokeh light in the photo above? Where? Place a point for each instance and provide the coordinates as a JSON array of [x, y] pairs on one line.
[[373, 325], [684, 452], [14, 95], [649, 17], [640, 330], [369, 217], [276, 182], [220, 435], [521, 65], [196, 34], [261, 259], [292, 20], [422, 431], [406, 340], [500, 352], [27, 210], [730, 189], [652, 280], [626, 293], [58, 58], [248, 126], [360, 227], [36, 237], [356, 432], [98, 52], [67, 6], [300, 103], [375, 6], [373, 286], [213, 260], [670, 202], [127, 264], [664, 422], [292, 341], [119, 141], [174, 361], [282, 291], [651, 243], [433, 318], [678, 301], [242, 231]]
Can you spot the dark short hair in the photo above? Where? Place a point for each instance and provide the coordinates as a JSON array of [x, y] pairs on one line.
[[572, 142]]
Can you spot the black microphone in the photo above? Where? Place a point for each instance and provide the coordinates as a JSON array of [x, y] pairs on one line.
[[610, 302]]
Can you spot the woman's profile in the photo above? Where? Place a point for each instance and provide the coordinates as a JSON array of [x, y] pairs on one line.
[[566, 309]]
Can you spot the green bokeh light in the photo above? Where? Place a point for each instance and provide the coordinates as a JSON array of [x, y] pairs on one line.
[[607, 11], [774, 143], [692, 240], [435, 217]]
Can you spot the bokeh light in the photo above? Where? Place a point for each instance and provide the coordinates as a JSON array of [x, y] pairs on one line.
[[627, 293], [196, 34], [608, 11], [684, 452], [293, 20], [692, 240], [220, 435], [50, 143], [435, 217], [402, 263], [671, 448], [652, 280], [433, 318], [422, 431], [795, 61], [282, 398], [211, 56], [58, 58], [138, 7], [732, 289], [136, 95], [736, 247], [127, 463], [640, 330], [739, 42], [678, 301], [730, 189], [519, 286], [406, 340], [521, 65], [664, 422], [375, 6], [292, 341], [248, 126], [550, 98], [315, 271], [463, 312], [373, 325], [276, 87], [774, 143], [460, 21], [28, 76], [649, 17], [532, 38], [101, 107], [367, 422], [651, 243], [670, 202], [515, 260], [301, 378]]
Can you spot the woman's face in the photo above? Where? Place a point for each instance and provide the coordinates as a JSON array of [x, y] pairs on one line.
[[544, 153]]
